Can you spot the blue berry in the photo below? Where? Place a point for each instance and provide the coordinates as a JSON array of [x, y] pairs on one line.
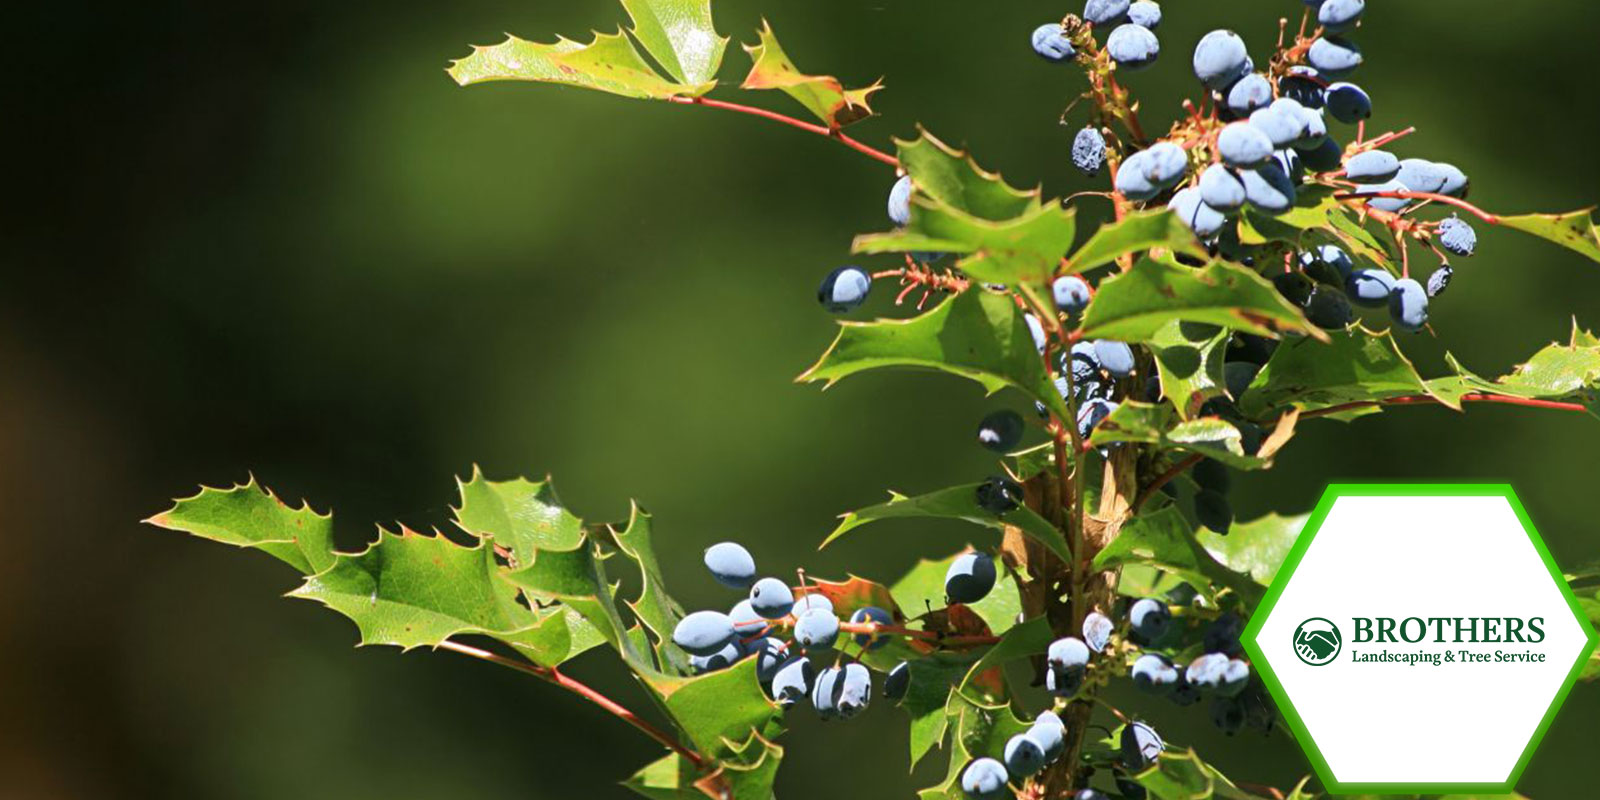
[[1213, 510], [1303, 85], [1166, 162], [1281, 126], [746, 622], [1145, 12], [1206, 671], [1339, 15], [1093, 794], [1114, 357], [1221, 58], [1373, 166], [1068, 653], [1328, 308], [844, 289], [854, 690], [1421, 175], [1133, 180], [1334, 56], [816, 629], [813, 600], [1393, 205], [969, 578], [1222, 635], [1071, 293], [1348, 103], [1133, 46], [1292, 164], [1097, 629], [825, 692], [999, 494], [1369, 287], [722, 659], [1440, 280], [1325, 157], [1268, 188], [985, 779], [703, 633], [1089, 151], [1140, 746], [1455, 181], [1105, 12], [1221, 189], [792, 682], [871, 614], [1023, 756], [731, 565], [1316, 127], [1235, 677], [1001, 430], [1150, 618], [1251, 92], [771, 655], [1408, 305], [897, 682], [1092, 413], [1052, 44], [1049, 732], [1244, 145], [771, 598], [1204, 220], [900, 201], [1062, 684]]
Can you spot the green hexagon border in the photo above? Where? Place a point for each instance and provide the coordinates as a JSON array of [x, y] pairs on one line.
[[1303, 542]]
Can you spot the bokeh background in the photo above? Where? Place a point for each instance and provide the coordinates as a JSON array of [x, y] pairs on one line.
[[275, 238]]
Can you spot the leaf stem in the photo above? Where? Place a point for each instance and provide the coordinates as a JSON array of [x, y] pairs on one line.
[[1423, 399], [821, 130], [1492, 219], [557, 677], [1163, 479]]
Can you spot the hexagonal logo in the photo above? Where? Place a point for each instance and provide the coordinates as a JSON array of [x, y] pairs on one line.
[[1419, 638]]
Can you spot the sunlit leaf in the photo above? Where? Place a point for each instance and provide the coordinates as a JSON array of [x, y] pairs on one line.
[[680, 35], [1134, 234], [521, 515], [250, 516], [922, 588], [823, 95], [1357, 366], [1165, 540], [1025, 249], [1189, 358], [654, 608], [1574, 230], [977, 731], [610, 63], [1256, 548], [951, 177], [1159, 425], [1134, 306], [956, 502]]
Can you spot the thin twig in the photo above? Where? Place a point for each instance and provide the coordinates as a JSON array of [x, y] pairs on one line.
[[1492, 219], [1163, 479], [821, 130], [1422, 399]]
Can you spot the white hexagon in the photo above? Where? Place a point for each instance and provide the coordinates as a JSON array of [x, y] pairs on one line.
[[1431, 554]]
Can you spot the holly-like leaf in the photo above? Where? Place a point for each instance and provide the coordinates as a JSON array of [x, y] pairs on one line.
[[853, 593], [751, 774], [670, 777], [249, 515], [922, 588], [950, 177], [977, 731], [823, 95], [1164, 540], [411, 590], [680, 35], [1574, 230], [718, 709], [1134, 234], [1256, 548], [521, 515], [1159, 425], [1182, 775], [1023, 640], [1313, 210], [1135, 305], [956, 502], [977, 334], [610, 63], [1357, 366], [654, 608], [1022, 250], [932, 679], [1189, 358]]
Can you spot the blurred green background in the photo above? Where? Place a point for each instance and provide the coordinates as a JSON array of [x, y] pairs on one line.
[[276, 238]]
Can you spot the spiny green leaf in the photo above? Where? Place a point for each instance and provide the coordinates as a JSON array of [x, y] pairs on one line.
[[1183, 776], [823, 95], [978, 731], [1189, 358], [1135, 233], [681, 37], [933, 678], [951, 177], [922, 588], [411, 590], [577, 579], [1159, 425], [1358, 365], [1555, 372], [1313, 211], [956, 502], [654, 608], [752, 774], [670, 777], [610, 63], [977, 334], [522, 515], [248, 515], [1025, 249], [1164, 540], [1574, 230], [1256, 548], [1023, 640], [1135, 305], [717, 709]]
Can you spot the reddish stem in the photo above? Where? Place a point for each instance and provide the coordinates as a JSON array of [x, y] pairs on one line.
[[1422, 399], [1439, 198], [1163, 479], [821, 130], [580, 689]]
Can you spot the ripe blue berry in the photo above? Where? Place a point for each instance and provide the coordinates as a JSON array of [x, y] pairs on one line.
[[731, 565], [1421, 175], [1212, 474], [1268, 188], [1150, 618], [1062, 684], [999, 494], [1166, 162], [1092, 794], [1373, 166], [1440, 280], [1105, 12], [1315, 126], [969, 578], [1023, 756], [1408, 305], [1133, 180], [1222, 635], [897, 682], [1242, 144], [1052, 44], [1334, 56], [1328, 308], [1325, 157], [1369, 287], [1206, 671], [771, 655], [1068, 653], [1133, 46], [771, 598], [1281, 122], [1234, 678], [1339, 15], [855, 690], [1097, 629], [1303, 85], [1393, 205], [871, 614], [1140, 746], [1001, 430], [1089, 151], [1456, 236], [1221, 189], [1348, 103], [1071, 293], [1049, 732], [1220, 58], [746, 622], [1146, 13], [812, 600], [985, 779], [1455, 181], [844, 289], [703, 633], [1251, 92], [722, 659], [900, 201], [1115, 357], [816, 629], [1092, 413], [825, 692], [1292, 164], [792, 682], [1204, 220]]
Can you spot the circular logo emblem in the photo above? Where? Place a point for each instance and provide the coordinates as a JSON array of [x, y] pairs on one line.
[[1317, 641]]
